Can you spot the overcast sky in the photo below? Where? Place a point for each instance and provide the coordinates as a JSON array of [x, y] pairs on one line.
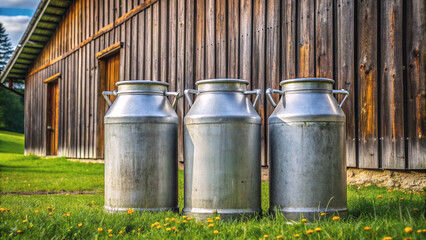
[[15, 16]]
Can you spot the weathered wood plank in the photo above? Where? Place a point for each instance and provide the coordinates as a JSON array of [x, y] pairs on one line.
[[233, 38], [156, 42], [221, 39], [345, 71], [391, 80], [288, 32], [367, 84], [164, 41], [141, 46], [210, 46], [180, 71], [200, 40], [246, 22], [416, 84], [259, 64], [324, 38], [148, 44], [306, 39]]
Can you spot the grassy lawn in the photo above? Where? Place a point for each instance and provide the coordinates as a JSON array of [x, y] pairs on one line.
[[63, 216]]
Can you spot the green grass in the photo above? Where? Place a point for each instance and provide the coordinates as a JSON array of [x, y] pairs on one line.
[[386, 216]]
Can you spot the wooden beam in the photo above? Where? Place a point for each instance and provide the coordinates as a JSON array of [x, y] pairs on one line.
[[101, 32], [53, 78], [109, 50]]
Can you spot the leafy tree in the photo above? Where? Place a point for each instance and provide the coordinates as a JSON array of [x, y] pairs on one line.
[[11, 105]]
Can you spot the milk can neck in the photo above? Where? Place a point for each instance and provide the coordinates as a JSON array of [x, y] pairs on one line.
[[307, 84], [141, 87], [222, 85]]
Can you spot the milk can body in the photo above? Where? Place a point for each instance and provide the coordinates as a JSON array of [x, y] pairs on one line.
[[222, 151], [307, 150], [141, 149]]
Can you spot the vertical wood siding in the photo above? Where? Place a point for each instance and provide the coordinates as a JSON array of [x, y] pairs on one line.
[[359, 43]]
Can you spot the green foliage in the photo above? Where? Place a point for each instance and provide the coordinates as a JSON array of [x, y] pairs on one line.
[[386, 216], [6, 49], [11, 111]]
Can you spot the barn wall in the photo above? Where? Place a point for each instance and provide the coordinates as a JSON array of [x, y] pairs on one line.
[[372, 48]]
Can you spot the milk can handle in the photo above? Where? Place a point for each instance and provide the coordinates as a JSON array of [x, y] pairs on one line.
[[342, 92], [106, 93], [176, 94], [187, 92], [269, 91], [255, 91]]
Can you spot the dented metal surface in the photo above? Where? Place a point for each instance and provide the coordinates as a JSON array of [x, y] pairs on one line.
[[222, 151], [307, 150], [141, 149]]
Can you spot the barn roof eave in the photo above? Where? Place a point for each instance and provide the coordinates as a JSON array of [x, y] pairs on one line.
[[32, 42]]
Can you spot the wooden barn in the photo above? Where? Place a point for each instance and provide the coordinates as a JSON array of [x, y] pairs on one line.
[[74, 50]]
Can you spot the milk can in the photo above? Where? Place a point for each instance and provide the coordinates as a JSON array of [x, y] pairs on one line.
[[307, 146], [141, 148], [222, 151]]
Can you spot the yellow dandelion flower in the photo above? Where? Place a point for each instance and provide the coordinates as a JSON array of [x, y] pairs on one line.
[[389, 191], [184, 221], [158, 227], [318, 229], [31, 226], [109, 230], [335, 218], [80, 224], [408, 239], [153, 225], [184, 217], [387, 238], [156, 223], [92, 202], [36, 211], [67, 194], [265, 236], [202, 224], [401, 199], [408, 229], [296, 235], [211, 225], [48, 208], [50, 214], [129, 211], [168, 229], [209, 220], [53, 209], [380, 196], [167, 219], [110, 235], [68, 214], [173, 219], [19, 231], [416, 210], [419, 231], [29, 185], [177, 221], [310, 231], [139, 229], [100, 229], [216, 232], [424, 230], [391, 197], [217, 218], [24, 221], [120, 232], [279, 237], [367, 228], [304, 220], [173, 228], [322, 214]]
